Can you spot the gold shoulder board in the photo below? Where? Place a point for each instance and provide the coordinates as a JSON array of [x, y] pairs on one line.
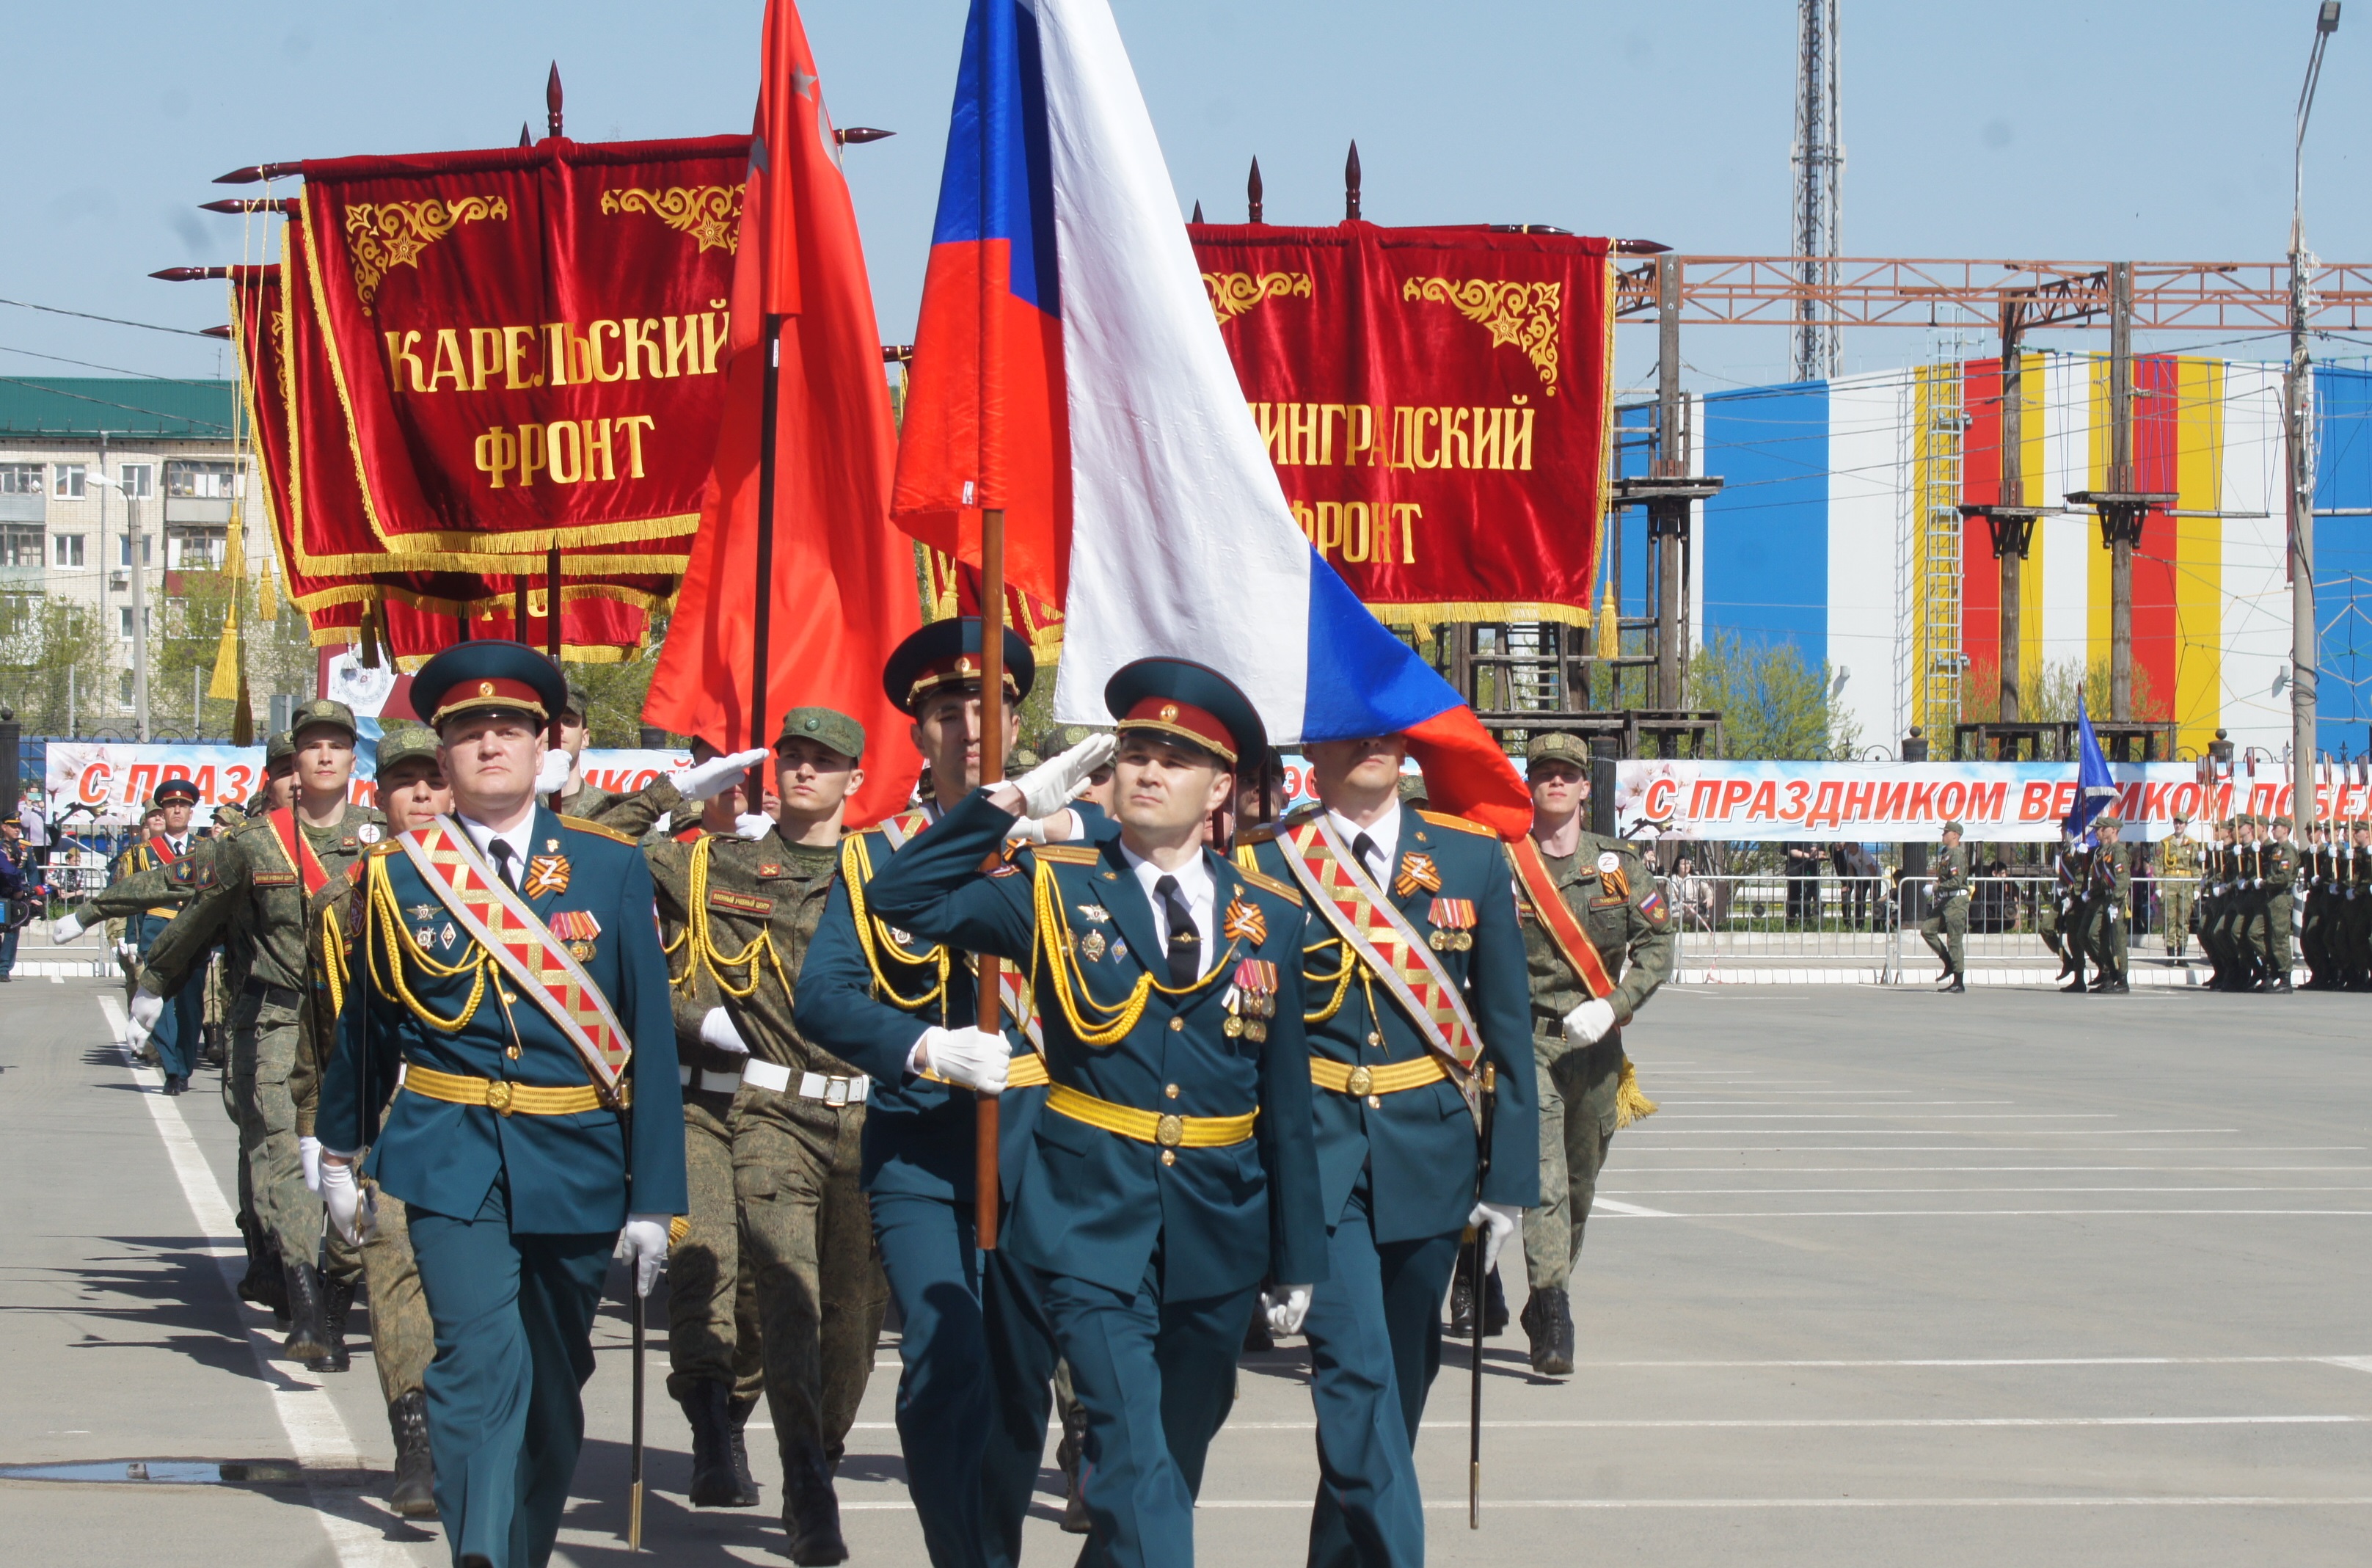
[[1260, 833], [1067, 855], [1267, 883], [582, 826], [1463, 824]]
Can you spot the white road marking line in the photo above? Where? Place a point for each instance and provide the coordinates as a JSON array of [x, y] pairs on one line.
[[118, 1021], [1743, 1503], [1956, 1149], [317, 1437], [2359, 1363], [1942, 1170], [1876, 1191], [1599, 1203], [1986, 1361], [1990, 1214], [1844, 1423]]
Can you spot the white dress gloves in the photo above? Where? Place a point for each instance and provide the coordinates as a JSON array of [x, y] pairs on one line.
[[704, 780], [1590, 1022], [350, 1215], [308, 1156], [717, 1028], [978, 1059], [552, 773], [1287, 1306], [1048, 787], [644, 1242], [64, 929], [752, 825], [1496, 1222], [147, 1008]]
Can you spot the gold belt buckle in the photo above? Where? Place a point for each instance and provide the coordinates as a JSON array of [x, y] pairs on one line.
[[1361, 1081], [1170, 1131], [498, 1097]]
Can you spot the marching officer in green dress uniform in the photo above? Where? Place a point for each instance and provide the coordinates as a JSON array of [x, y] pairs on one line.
[[1606, 898], [2215, 876], [1414, 980], [2278, 870], [2109, 897], [1945, 929], [749, 909], [180, 1029], [508, 961], [2247, 919], [263, 878], [1174, 1166], [412, 793], [977, 1356]]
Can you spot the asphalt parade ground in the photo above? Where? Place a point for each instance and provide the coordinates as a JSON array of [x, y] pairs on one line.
[[1893, 1277]]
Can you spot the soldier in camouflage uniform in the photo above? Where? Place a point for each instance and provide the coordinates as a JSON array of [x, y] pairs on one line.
[[412, 791], [264, 874], [716, 1371], [1944, 930], [2277, 873], [633, 815], [2108, 883], [747, 910], [1587, 1090], [2179, 868]]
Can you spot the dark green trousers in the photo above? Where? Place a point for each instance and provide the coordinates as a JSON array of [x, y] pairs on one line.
[[514, 1313]]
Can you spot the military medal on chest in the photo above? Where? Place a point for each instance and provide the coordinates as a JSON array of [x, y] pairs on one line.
[[1417, 871], [1454, 925], [576, 929], [1251, 1001]]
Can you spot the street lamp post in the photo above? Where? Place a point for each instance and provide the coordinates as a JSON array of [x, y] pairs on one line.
[[2298, 395], [132, 555]]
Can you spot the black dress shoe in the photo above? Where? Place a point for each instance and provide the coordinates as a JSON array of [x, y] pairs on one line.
[[2076, 987]]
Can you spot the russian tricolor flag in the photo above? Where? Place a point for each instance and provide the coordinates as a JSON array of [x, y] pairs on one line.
[[1067, 370]]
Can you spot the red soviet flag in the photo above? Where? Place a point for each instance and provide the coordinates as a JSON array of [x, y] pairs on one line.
[[842, 593]]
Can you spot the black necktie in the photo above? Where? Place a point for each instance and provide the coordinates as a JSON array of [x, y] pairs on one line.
[[503, 854], [1185, 940], [1369, 857]]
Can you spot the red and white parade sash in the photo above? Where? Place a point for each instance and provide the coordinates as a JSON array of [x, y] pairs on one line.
[[898, 830], [1572, 943], [528, 952], [297, 851], [1384, 940], [162, 849]]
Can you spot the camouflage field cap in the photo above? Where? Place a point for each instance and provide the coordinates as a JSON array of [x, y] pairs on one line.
[[1952, 827], [279, 751], [2107, 819], [406, 743], [1559, 745], [828, 727], [320, 711], [579, 702]]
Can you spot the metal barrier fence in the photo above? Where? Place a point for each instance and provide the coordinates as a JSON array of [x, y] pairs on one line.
[[1765, 920]]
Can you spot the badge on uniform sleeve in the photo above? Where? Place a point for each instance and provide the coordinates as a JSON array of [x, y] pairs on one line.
[[1653, 907], [1454, 923], [1244, 921], [1417, 871], [545, 873], [576, 928]]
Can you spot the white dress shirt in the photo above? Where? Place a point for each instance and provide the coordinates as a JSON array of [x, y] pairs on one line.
[[1195, 886], [519, 838], [1385, 833]]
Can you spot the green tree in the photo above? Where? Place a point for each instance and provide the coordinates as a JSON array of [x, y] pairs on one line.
[[1772, 703], [2048, 694], [185, 639], [53, 666]]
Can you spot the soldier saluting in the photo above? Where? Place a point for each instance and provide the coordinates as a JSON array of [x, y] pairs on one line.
[[1174, 1165], [509, 963]]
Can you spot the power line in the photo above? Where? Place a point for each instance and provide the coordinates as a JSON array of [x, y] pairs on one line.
[[110, 320], [113, 369]]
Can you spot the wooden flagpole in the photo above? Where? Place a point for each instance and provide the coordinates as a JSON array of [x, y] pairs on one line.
[[987, 1186], [762, 620]]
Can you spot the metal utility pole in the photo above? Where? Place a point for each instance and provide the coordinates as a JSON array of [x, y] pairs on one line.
[[2298, 396], [1818, 163], [2121, 508]]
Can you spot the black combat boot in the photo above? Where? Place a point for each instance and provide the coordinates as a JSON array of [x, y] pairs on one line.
[[737, 1415], [2076, 985], [413, 1495], [1461, 1296], [810, 1509], [707, 1405], [1547, 1320], [1071, 1453], [265, 1284], [1960, 980], [308, 1341], [337, 1299]]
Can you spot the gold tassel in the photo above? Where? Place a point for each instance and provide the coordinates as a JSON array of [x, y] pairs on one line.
[[242, 717], [678, 1226], [267, 596], [224, 687], [1630, 1103]]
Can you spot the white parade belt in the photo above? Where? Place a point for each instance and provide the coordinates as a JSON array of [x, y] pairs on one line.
[[711, 1083], [776, 1078]]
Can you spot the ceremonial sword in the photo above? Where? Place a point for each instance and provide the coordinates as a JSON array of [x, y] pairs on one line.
[[1476, 1296]]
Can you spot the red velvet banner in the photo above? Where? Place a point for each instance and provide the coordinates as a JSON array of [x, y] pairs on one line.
[[524, 347], [1436, 401], [416, 612]]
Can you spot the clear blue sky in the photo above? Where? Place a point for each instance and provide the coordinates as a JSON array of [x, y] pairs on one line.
[[2145, 129]]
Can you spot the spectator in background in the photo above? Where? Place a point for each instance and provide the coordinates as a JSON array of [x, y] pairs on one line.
[[1692, 895], [1858, 870], [37, 830], [16, 894], [1804, 884]]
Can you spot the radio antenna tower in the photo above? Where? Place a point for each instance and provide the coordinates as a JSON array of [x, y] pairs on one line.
[[1817, 165]]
